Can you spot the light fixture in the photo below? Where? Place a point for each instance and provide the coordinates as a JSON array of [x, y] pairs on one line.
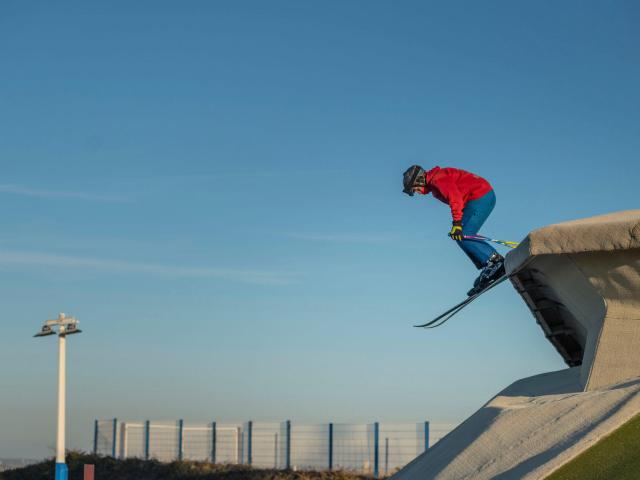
[[64, 326]]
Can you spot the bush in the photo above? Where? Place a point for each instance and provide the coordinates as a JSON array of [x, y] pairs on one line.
[[108, 468]]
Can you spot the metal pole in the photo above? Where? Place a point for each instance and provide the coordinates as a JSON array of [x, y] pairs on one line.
[[213, 442], [249, 440], [65, 325], [180, 438], [376, 438], [147, 439], [331, 446], [288, 459], [95, 437], [115, 437], [386, 455], [276, 463], [61, 468], [426, 436], [124, 440]]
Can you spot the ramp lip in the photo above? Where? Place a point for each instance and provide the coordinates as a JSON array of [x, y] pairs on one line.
[[610, 232]]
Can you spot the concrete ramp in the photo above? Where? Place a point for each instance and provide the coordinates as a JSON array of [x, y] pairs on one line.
[[581, 281]]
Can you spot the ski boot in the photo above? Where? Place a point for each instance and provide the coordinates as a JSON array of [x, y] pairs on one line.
[[492, 271]]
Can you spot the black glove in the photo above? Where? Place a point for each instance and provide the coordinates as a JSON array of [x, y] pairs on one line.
[[456, 231]]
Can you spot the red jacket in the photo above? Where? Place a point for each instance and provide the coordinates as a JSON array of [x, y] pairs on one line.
[[456, 187]]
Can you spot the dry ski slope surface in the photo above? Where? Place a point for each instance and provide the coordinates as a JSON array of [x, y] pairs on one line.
[[581, 280]]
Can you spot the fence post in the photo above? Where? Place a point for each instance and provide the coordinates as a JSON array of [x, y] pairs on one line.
[[386, 455], [95, 437], [180, 438], [147, 439], [376, 441], [331, 446], [124, 440], [426, 436], [288, 445], [249, 440], [115, 432], [213, 442]]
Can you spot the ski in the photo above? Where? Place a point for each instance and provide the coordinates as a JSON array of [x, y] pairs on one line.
[[442, 318]]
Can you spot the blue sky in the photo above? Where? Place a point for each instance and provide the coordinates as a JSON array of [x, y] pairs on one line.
[[214, 190]]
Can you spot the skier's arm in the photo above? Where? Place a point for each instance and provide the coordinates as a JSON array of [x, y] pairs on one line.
[[450, 191]]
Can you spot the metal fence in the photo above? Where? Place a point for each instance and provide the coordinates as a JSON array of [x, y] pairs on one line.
[[376, 448]]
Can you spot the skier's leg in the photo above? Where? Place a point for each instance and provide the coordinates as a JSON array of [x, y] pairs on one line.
[[474, 215]]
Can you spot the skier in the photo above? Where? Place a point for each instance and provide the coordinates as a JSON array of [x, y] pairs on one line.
[[471, 199]]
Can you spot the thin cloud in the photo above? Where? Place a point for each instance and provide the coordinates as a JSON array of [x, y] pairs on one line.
[[248, 174], [36, 192], [63, 261], [145, 183], [345, 237]]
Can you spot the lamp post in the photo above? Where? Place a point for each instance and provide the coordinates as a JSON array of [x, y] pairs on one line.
[[64, 326]]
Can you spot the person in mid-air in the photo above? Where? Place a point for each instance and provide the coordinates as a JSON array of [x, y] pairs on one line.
[[471, 199]]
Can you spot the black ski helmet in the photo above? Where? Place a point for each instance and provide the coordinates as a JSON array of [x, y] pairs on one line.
[[414, 176]]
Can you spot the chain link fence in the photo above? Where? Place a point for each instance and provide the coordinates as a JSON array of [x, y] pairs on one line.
[[375, 448]]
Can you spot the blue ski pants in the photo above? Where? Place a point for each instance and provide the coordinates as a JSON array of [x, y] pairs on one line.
[[473, 216]]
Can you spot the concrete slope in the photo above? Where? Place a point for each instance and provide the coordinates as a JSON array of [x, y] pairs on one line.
[[581, 281], [528, 430]]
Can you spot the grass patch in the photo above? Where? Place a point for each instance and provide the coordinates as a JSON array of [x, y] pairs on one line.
[[616, 456], [108, 468]]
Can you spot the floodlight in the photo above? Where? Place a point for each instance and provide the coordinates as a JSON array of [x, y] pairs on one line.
[[71, 329], [45, 331]]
